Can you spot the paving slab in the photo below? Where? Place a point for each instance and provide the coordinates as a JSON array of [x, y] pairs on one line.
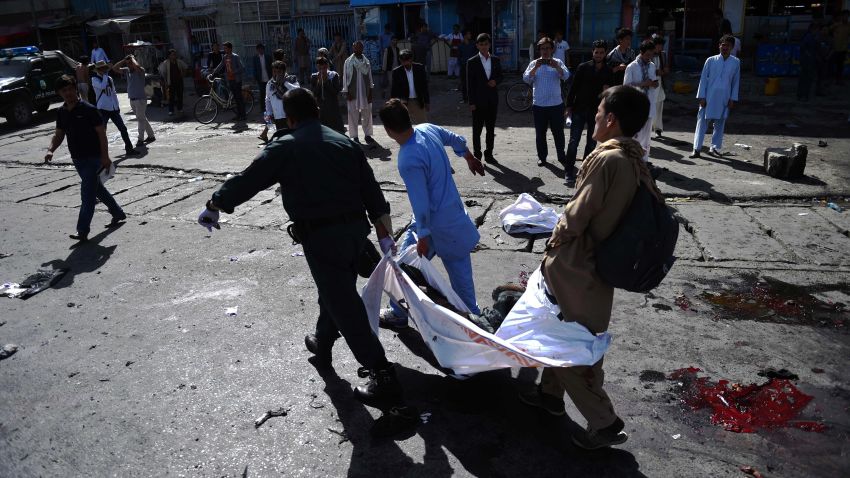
[[168, 196], [687, 247], [187, 209], [39, 191], [808, 235], [148, 189], [841, 220], [728, 233], [71, 196]]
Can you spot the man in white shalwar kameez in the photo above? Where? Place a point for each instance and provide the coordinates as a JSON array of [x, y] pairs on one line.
[[357, 85], [641, 74], [717, 94]]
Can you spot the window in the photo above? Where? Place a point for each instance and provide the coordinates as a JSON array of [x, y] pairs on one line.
[[203, 28]]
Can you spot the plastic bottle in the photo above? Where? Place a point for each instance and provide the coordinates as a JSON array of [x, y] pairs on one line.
[[834, 207]]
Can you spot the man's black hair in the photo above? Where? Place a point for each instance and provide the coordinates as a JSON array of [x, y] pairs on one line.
[[629, 105], [482, 37], [279, 54], [227, 44], [63, 81], [647, 45], [600, 44], [260, 45], [405, 54], [322, 61], [299, 104], [658, 40], [394, 116], [172, 51], [544, 41], [623, 33], [279, 64], [727, 39]]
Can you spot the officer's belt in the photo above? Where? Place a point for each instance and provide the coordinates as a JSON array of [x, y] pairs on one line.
[[306, 226]]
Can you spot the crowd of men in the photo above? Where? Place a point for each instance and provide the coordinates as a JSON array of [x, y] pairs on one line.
[[615, 98]]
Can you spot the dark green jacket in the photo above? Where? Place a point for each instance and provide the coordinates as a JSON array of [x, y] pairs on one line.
[[322, 174]]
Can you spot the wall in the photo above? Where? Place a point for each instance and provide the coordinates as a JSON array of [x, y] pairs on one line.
[[600, 19]]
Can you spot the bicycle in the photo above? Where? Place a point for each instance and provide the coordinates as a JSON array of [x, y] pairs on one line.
[[207, 106], [520, 96]]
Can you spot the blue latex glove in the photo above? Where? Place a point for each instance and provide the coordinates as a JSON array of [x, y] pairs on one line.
[[387, 244], [209, 219]]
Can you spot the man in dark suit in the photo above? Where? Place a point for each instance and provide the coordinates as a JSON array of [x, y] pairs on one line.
[[410, 84], [262, 69], [483, 75]]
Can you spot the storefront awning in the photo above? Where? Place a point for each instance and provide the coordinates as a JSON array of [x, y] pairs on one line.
[[73, 20], [112, 25], [201, 12], [375, 3]]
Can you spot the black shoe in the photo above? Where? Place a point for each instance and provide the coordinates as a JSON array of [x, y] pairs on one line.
[[149, 140], [131, 152], [382, 391], [116, 221], [79, 237], [693, 155], [593, 439], [370, 140], [658, 133], [550, 403], [320, 349], [541, 162], [488, 158], [570, 181]]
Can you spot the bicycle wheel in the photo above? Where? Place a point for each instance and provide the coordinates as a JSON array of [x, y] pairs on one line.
[[248, 97], [206, 109], [519, 97]]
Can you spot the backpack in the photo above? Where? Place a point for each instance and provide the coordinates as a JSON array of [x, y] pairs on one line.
[[639, 253]]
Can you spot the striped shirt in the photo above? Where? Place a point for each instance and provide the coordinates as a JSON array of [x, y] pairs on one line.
[[546, 82]]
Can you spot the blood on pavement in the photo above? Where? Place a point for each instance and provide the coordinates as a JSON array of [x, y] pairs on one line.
[[746, 408]]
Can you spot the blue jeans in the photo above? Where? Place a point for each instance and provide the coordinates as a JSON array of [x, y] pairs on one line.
[[549, 117], [115, 116], [580, 122], [90, 190]]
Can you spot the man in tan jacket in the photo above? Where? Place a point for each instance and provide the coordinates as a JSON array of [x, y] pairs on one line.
[[607, 182]]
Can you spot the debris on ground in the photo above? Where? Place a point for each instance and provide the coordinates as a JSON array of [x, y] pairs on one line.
[[751, 471], [782, 373], [42, 279], [817, 370], [677, 436], [8, 350], [280, 412], [745, 408], [3, 255], [297, 254], [394, 422], [195, 179], [682, 302], [660, 306], [834, 207], [652, 376], [786, 163], [232, 311], [745, 146]]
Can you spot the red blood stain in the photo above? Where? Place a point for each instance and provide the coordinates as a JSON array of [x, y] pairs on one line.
[[683, 302], [746, 408]]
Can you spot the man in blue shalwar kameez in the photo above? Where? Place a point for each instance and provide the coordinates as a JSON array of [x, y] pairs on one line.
[[717, 94], [441, 225]]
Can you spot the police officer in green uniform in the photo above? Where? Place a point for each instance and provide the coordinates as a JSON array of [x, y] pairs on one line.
[[328, 189]]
